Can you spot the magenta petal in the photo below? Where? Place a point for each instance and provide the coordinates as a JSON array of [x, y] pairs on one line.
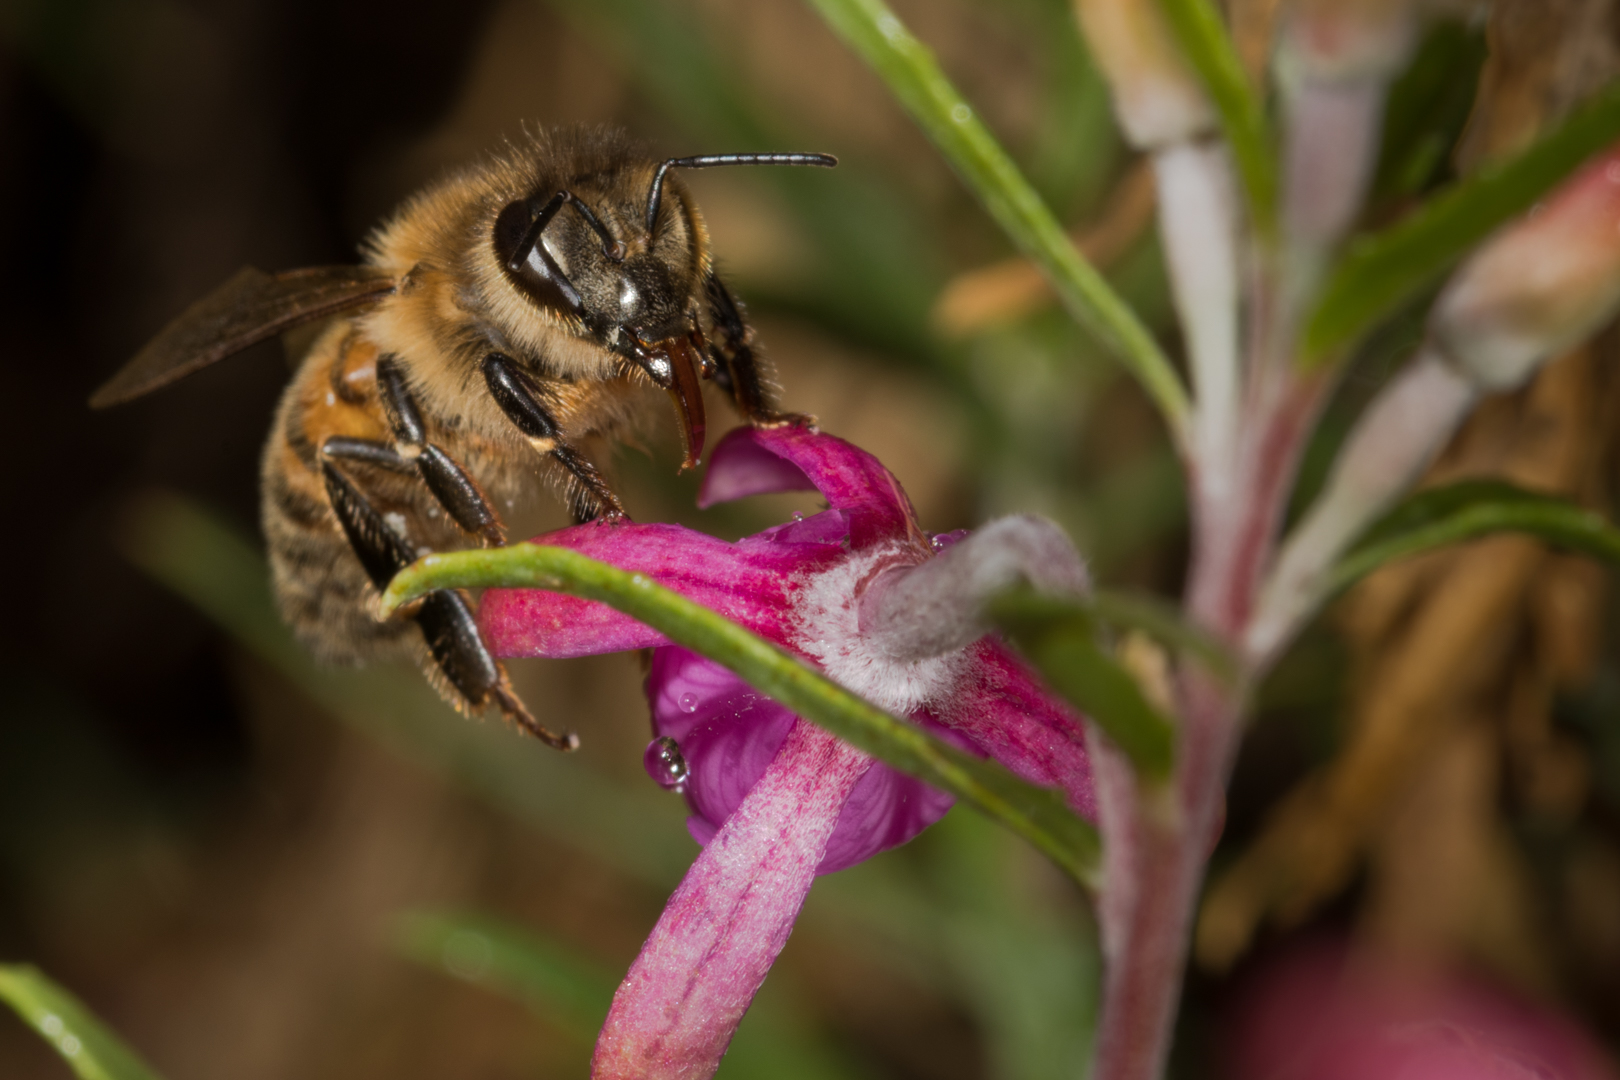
[[1319, 1013], [849, 477], [676, 1011], [749, 583], [886, 809], [727, 731], [729, 734], [1004, 712], [740, 467]]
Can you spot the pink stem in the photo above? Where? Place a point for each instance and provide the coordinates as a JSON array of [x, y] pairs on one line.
[[675, 1012], [1158, 840]]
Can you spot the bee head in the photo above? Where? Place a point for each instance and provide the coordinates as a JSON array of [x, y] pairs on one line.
[[627, 263]]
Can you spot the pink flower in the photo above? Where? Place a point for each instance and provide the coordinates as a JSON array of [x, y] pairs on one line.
[[881, 607], [1317, 1015]]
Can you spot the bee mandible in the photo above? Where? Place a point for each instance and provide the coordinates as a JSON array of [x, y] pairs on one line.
[[502, 322]]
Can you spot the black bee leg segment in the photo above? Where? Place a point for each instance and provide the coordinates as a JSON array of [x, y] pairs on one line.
[[445, 617], [733, 354], [456, 491], [366, 452], [590, 498], [738, 369]]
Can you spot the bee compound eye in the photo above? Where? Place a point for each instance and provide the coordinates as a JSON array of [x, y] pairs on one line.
[[510, 226]]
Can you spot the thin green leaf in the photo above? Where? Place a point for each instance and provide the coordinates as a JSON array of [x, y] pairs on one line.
[[1036, 814], [1426, 111], [574, 992], [1208, 47], [1471, 509], [1381, 272], [565, 988], [1163, 623], [1060, 639], [90, 1049], [915, 78]]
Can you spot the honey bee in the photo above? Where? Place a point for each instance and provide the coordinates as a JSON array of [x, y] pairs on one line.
[[503, 321]]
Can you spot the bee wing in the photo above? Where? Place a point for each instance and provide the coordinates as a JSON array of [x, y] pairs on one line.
[[244, 311]]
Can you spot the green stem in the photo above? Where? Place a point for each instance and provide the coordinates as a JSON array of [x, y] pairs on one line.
[[1208, 47], [914, 76], [1036, 814]]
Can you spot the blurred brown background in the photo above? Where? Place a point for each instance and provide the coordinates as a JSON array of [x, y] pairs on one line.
[[213, 844]]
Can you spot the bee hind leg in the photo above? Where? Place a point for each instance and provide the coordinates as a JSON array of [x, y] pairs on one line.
[[473, 677]]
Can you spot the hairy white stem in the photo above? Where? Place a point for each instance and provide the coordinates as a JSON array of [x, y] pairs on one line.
[[936, 607], [1334, 68], [1391, 445], [1333, 132], [1198, 225]]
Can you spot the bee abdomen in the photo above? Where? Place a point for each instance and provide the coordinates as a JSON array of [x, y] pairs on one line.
[[321, 588]]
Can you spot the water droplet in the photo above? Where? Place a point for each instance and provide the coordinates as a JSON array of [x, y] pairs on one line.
[[688, 703], [665, 764], [961, 113], [938, 543], [70, 1045], [51, 1025], [798, 515]]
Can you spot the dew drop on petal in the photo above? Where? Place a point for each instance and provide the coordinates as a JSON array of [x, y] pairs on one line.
[[664, 763], [688, 703], [798, 515]]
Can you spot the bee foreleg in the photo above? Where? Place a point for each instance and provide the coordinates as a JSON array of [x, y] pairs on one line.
[[456, 491], [445, 617], [737, 368], [590, 498]]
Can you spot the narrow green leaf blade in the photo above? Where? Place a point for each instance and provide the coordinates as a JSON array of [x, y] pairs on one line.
[[1059, 638], [914, 77], [88, 1046], [574, 992], [1162, 623], [1208, 47], [1471, 509], [1037, 814], [1381, 272], [559, 985]]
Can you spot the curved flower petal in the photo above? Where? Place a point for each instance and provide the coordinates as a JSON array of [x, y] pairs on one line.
[[749, 582], [676, 1011], [728, 734], [1317, 1013], [849, 477], [1005, 713]]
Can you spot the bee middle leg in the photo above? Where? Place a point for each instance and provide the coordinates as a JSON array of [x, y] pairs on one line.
[[590, 498], [446, 616], [456, 491]]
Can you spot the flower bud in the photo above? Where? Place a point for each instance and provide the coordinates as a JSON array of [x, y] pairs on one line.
[[1345, 40], [1540, 285], [1157, 95]]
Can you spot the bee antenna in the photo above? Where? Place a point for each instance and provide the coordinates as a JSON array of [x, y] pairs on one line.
[[708, 161]]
